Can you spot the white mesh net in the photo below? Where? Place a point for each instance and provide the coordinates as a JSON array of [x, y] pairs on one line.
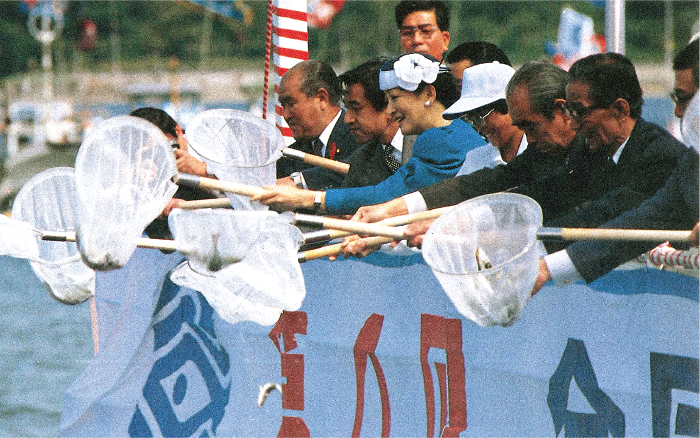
[[237, 147], [485, 253], [229, 306], [45, 203], [244, 262], [123, 177]]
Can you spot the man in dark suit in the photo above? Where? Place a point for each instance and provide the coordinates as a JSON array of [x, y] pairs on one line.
[[625, 160], [674, 206], [382, 150], [309, 94], [423, 27]]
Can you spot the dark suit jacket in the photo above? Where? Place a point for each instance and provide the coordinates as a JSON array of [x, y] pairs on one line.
[[674, 206], [528, 166], [318, 178], [367, 166], [590, 190]]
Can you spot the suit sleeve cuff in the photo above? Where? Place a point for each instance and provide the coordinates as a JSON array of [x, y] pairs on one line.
[[562, 269], [415, 202]]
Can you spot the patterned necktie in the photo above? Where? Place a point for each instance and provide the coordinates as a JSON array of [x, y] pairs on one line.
[[389, 158]]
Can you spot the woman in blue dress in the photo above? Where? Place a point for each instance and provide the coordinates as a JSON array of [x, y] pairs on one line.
[[418, 90]]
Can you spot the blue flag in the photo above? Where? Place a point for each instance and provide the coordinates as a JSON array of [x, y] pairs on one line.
[[224, 9]]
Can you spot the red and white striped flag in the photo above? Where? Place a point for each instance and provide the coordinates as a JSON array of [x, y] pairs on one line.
[[291, 45]]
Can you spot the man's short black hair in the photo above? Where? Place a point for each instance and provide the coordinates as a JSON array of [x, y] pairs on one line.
[[610, 76], [478, 52], [367, 75], [406, 7], [158, 117], [688, 58], [315, 75]]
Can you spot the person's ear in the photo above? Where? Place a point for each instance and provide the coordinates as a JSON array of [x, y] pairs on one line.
[[445, 40], [560, 107], [323, 98], [429, 94], [181, 140], [621, 107]]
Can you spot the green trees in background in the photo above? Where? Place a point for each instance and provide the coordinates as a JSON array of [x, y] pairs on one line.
[[151, 31]]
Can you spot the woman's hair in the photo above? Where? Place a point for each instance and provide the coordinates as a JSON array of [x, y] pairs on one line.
[[444, 83]]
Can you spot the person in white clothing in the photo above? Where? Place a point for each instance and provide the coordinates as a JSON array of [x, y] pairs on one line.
[[483, 104]]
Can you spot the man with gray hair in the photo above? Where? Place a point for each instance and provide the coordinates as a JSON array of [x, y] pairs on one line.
[[310, 94]]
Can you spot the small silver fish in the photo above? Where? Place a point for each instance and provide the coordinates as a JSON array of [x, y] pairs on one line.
[[265, 391], [482, 260]]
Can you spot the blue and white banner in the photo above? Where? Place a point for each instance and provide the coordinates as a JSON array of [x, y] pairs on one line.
[[160, 370], [380, 350]]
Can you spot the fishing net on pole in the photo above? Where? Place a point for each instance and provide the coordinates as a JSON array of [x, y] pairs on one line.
[[485, 254], [123, 174], [243, 262], [237, 147], [46, 203]]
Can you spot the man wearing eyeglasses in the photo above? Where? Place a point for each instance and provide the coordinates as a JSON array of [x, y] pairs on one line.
[[674, 206], [607, 115], [423, 27], [685, 68], [625, 159]]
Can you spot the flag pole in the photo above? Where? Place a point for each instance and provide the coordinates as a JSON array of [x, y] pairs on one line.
[[615, 26], [268, 57]]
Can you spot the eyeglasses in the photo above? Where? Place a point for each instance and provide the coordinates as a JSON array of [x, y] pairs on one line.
[[426, 31], [680, 97], [478, 121], [578, 111]]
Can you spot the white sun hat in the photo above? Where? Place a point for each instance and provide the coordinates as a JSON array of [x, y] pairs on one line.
[[481, 84]]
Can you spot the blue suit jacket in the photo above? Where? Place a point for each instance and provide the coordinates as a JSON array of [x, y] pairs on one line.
[[438, 154]]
